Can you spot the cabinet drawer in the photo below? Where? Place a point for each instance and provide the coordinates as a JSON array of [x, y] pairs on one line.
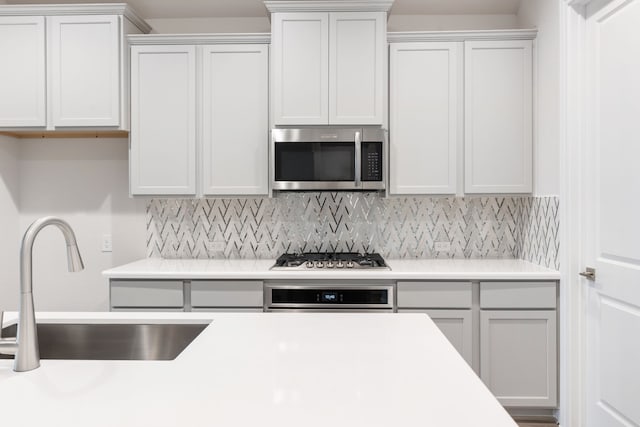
[[434, 294], [226, 293], [518, 295], [145, 293]]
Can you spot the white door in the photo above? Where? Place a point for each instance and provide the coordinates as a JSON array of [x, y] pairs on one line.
[[498, 116], [235, 119], [300, 49], [357, 43], [612, 205], [424, 97], [163, 120], [22, 73], [85, 70]]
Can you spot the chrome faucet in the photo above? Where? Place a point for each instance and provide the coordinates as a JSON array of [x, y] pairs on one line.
[[25, 345]]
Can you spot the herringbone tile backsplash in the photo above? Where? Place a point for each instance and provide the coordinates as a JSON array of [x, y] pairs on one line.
[[397, 227]]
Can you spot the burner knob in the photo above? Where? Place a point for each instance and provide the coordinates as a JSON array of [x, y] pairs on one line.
[[309, 264], [340, 264], [319, 264], [330, 264], [349, 264]]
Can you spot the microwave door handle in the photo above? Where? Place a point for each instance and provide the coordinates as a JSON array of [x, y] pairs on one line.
[[358, 160]]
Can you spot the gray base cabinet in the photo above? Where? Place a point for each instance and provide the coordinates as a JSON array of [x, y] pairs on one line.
[[226, 295], [449, 306], [507, 331], [456, 325], [186, 295], [518, 342], [146, 294], [518, 356]]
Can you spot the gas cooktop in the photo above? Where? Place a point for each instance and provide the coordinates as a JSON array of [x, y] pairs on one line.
[[330, 261]]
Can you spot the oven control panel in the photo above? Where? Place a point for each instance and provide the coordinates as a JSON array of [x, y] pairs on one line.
[[311, 296]]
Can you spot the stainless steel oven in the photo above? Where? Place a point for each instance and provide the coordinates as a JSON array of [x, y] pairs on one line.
[[316, 296], [328, 159]]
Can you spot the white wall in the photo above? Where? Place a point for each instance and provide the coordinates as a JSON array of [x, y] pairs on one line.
[[210, 25], [544, 15], [9, 221], [395, 23], [84, 181], [450, 22]]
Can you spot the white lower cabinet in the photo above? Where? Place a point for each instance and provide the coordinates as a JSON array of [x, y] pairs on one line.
[[200, 116], [513, 348], [146, 294], [186, 295], [449, 306], [518, 342], [456, 325], [226, 295], [518, 356]]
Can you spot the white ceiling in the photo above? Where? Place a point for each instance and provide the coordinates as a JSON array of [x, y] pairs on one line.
[[150, 9]]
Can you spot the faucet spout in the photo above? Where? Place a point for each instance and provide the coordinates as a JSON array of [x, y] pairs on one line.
[[27, 356]]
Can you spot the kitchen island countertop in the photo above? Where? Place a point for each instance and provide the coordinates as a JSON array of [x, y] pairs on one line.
[[401, 269], [290, 369]]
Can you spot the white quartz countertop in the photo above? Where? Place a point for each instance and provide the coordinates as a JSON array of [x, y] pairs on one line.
[[262, 369], [401, 269]]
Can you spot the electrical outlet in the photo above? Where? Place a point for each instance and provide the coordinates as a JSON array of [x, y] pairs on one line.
[[442, 246], [107, 243]]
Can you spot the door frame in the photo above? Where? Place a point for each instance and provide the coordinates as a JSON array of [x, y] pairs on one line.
[[574, 158]]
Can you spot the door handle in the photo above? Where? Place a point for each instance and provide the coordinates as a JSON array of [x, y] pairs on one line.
[[589, 273]]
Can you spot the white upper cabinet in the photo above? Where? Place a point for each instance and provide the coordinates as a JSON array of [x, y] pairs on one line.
[[163, 120], [424, 99], [22, 74], [460, 112], [300, 68], [235, 119], [199, 115], [357, 42], [498, 116], [329, 62], [85, 58], [64, 66]]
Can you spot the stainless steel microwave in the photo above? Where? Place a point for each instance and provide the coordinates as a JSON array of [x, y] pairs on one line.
[[328, 159]]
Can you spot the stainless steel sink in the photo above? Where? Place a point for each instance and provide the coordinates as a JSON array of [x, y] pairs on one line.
[[94, 341]]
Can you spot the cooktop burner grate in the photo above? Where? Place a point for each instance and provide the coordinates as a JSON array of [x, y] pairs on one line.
[[330, 261]]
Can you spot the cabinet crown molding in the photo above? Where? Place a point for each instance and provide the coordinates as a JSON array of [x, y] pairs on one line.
[[449, 36], [329, 6], [199, 39], [76, 9]]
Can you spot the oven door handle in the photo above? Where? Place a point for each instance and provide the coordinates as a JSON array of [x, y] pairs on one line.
[[358, 159]]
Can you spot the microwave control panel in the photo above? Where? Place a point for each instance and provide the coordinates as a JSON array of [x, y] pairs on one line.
[[372, 161]]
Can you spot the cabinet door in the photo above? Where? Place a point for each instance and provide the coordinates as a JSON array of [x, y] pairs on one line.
[[455, 325], [300, 65], [423, 109], [518, 356], [357, 43], [163, 120], [235, 119], [22, 73], [85, 70], [146, 294], [226, 293], [498, 116]]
